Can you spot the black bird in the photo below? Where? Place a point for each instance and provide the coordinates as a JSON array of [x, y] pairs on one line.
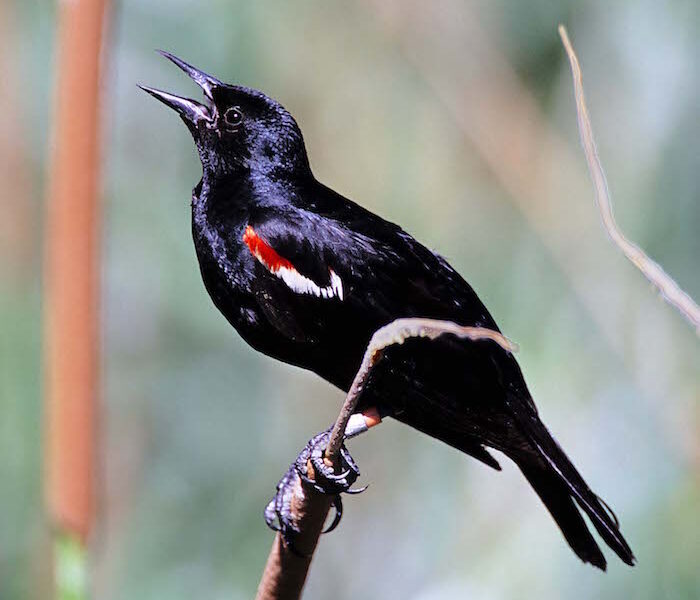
[[306, 276]]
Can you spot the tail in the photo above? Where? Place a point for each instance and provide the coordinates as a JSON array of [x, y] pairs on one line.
[[558, 484], [557, 498]]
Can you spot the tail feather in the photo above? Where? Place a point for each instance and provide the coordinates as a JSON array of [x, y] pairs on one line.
[[557, 498], [558, 465], [589, 502]]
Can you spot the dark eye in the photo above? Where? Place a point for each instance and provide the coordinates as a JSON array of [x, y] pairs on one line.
[[233, 116]]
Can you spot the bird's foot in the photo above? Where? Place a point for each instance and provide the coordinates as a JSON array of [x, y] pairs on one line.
[[323, 478]]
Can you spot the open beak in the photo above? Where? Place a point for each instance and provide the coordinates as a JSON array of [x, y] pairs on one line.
[[190, 110]]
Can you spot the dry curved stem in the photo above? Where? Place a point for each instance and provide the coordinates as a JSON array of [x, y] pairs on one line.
[[285, 571], [397, 332], [669, 289]]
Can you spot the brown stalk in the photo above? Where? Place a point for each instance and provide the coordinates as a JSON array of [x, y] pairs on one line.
[[71, 269]]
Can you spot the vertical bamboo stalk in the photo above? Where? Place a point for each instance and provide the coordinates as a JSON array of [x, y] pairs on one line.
[[71, 296]]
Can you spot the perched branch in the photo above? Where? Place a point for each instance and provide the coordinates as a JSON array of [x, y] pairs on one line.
[[285, 571], [670, 290]]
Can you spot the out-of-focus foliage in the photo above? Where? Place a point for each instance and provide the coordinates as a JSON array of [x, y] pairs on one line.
[[197, 428]]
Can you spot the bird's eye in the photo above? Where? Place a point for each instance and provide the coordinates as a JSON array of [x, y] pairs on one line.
[[233, 116]]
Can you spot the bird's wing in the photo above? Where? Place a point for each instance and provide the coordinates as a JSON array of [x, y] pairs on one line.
[[317, 274], [382, 271]]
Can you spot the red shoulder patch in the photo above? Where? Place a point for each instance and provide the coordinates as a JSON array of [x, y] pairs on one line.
[[265, 253]]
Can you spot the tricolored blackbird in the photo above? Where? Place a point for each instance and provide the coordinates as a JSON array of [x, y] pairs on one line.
[[306, 276]]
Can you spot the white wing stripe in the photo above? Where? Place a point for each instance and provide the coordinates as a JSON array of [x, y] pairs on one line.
[[303, 285]]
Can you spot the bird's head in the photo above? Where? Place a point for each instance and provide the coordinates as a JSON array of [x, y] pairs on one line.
[[237, 130]]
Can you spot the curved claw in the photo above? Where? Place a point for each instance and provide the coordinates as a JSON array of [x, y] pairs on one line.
[[270, 514], [321, 469], [338, 506]]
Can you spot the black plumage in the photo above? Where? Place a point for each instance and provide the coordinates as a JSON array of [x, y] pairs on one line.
[[306, 276]]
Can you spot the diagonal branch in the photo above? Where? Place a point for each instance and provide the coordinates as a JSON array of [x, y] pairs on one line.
[[285, 571], [669, 289]]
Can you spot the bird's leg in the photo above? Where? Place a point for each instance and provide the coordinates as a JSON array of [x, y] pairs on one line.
[[311, 469]]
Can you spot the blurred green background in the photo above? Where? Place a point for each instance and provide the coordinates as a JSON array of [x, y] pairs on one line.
[[456, 120]]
